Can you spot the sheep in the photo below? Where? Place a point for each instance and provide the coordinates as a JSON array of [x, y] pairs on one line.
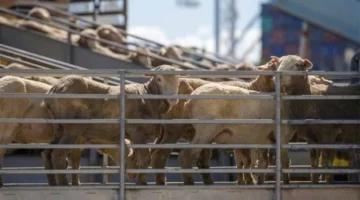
[[173, 133], [33, 108], [141, 59], [319, 109], [43, 79], [40, 13], [170, 52], [89, 39], [110, 33], [95, 108], [238, 109]]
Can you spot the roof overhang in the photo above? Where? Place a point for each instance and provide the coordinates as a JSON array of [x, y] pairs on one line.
[[340, 17]]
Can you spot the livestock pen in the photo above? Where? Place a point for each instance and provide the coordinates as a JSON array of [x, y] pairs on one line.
[[123, 190]]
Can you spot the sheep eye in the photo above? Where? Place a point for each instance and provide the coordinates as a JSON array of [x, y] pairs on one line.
[[158, 79]]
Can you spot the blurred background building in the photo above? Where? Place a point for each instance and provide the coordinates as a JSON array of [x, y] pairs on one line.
[[332, 35]]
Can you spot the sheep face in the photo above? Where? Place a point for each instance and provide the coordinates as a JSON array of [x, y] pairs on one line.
[[291, 63]]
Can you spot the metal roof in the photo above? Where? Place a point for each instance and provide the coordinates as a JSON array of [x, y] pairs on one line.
[[339, 16]]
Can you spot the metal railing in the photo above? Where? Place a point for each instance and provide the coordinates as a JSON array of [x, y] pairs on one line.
[[36, 61], [107, 42], [278, 121], [64, 26], [215, 57]]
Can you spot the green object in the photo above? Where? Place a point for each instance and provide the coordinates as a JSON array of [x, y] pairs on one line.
[[266, 24]]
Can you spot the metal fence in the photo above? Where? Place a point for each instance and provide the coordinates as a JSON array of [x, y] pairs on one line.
[[212, 56], [122, 120], [67, 26]]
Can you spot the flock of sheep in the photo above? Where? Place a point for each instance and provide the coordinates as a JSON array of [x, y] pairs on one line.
[[64, 133], [171, 109], [105, 38]]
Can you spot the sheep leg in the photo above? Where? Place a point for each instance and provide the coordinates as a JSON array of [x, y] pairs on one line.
[[59, 156], [59, 160], [2, 153], [272, 160], [159, 140], [142, 157], [314, 157], [46, 155], [263, 164], [159, 157], [75, 164], [189, 157], [328, 157], [238, 154], [247, 164], [285, 164], [203, 162]]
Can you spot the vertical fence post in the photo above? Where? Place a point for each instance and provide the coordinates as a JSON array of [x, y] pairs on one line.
[[122, 136], [105, 163], [278, 136], [71, 50], [355, 66]]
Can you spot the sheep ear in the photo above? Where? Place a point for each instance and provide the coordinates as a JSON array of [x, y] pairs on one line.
[[307, 64], [275, 59], [150, 75], [260, 68]]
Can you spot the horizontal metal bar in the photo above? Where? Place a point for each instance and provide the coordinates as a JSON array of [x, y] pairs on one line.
[[86, 186], [114, 72], [234, 72], [320, 121], [293, 186], [46, 61], [117, 167], [319, 97], [59, 96], [321, 171], [59, 146], [133, 96], [179, 146], [47, 187], [42, 168], [321, 146], [115, 171], [265, 186], [58, 121], [180, 96], [173, 121], [183, 96], [59, 171], [133, 186], [198, 72], [200, 146], [199, 121], [350, 73], [59, 72], [196, 170]]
